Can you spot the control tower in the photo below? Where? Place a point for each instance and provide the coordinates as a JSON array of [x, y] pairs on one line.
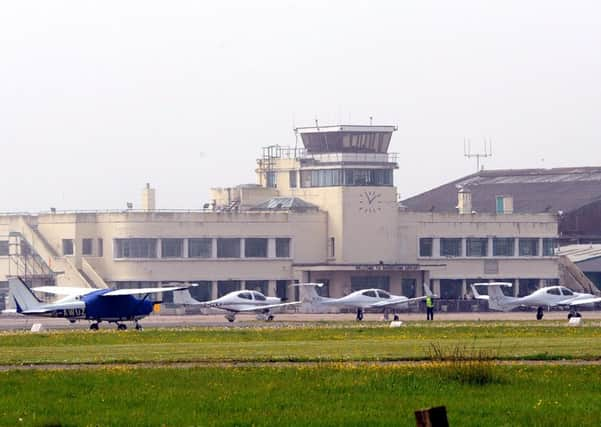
[[347, 171]]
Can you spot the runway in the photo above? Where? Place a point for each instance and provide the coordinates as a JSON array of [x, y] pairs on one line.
[[12, 322]]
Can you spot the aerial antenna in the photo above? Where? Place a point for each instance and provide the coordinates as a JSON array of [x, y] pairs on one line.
[[371, 120], [316, 123], [467, 151]]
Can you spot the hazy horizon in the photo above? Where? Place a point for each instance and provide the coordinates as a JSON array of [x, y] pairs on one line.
[[98, 98]]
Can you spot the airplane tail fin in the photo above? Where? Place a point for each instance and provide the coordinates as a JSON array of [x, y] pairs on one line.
[[308, 293], [497, 300], [428, 291], [24, 299], [184, 298]]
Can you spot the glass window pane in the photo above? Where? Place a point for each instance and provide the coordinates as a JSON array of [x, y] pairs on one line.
[[528, 247], [226, 286], [200, 248], [3, 247], [503, 246], [228, 248], [450, 247], [135, 248], [549, 247], [282, 247], [172, 248], [476, 246], [257, 285], [255, 248], [67, 246], [425, 246]]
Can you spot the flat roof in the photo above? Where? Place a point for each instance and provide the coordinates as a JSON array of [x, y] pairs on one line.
[[344, 128]]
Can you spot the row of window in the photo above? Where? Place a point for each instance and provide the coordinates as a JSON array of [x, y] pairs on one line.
[[200, 248], [479, 247], [337, 177]]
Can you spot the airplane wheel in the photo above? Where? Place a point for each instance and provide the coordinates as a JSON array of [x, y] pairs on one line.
[[94, 327], [270, 318], [122, 327], [230, 320], [396, 318], [578, 314], [359, 315], [139, 327], [540, 313]]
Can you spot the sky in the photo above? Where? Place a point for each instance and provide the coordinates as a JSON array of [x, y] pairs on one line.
[[98, 98]]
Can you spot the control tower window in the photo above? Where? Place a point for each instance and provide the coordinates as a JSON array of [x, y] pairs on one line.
[[271, 179], [292, 175], [346, 177]]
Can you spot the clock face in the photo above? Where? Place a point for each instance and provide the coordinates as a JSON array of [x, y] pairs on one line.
[[369, 202]]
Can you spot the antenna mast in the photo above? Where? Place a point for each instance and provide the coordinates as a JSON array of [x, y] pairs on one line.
[[467, 151]]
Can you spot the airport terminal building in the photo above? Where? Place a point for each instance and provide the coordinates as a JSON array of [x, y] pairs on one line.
[[324, 212]]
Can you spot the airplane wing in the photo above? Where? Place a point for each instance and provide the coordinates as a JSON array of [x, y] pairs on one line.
[[396, 301], [582, 301], [141, 291], [268, 307], [64, 290]]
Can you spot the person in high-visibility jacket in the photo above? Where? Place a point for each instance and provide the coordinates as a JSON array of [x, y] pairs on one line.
[[429, 308]]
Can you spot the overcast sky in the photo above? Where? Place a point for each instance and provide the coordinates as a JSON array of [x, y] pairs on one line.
[[98, 98]]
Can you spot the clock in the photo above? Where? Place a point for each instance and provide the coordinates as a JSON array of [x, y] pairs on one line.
[[369, 202]]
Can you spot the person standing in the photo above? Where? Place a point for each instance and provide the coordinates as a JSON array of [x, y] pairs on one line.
[[429, 308]]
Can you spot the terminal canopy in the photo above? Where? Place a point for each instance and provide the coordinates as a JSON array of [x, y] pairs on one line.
[[346, 139]]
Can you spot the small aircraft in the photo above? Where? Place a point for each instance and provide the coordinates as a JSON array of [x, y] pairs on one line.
[[97, 305], [244, 301], [549, 296], [362, 299]]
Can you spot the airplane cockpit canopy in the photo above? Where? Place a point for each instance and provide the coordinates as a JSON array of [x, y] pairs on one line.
[[553, 291], [245, 295], [566, 291], [384, 294], [370, 293], [259, 296]]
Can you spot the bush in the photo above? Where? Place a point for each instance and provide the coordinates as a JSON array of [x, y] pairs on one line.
[[463, 364]]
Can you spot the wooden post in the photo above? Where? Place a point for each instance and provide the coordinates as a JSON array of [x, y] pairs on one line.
[[432, 417]]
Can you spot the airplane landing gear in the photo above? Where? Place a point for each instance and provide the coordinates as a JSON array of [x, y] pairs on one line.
[[573, 313], [94, 326], [121, 326], [396, 317], [138, 326], [359, 314], [540, 313], [230, 317]]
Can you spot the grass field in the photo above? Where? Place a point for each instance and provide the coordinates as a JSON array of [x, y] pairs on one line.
[[315, 343], [332, 390], [277, 396]]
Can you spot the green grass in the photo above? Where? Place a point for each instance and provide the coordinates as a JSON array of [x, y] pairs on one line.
[[312, 343], [306, 395]]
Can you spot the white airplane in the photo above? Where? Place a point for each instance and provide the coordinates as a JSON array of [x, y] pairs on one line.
[[549, 296], [97, 305], [361, 299], [244, 301]]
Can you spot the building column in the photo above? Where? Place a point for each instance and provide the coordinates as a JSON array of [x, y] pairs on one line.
[[489, 247], [159, 248], [463, 247], [435, 247], [214, 248], [516, 247], [185, 249], [516, 288], [214, 291], [271, 288], [242, 247], [271, 247], [463, 288], [242, 284]]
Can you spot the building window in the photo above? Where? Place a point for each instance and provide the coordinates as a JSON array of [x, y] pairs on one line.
[[271, 179], [200, 248], [257, 285], [332, 248], [346, 177], [528, 247], [227, 286], [549, 246], [292, 176], [135, 248], [425, 246], [408, 288], [100, 247], [228, 248], [476, 246], [451, 289], [255, 248], [450, 247], [3, 247], [172, 248], [282, 247], [503, 246], [202, 292], [366, 282], [281, 289], [67, 246], [323, 291], [86, 246]]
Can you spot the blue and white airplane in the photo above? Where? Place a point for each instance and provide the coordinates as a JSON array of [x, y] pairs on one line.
[[96, 305]]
